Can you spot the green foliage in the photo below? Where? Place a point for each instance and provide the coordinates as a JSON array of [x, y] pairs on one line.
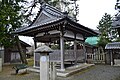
[[56, 47], [117, 6], [10, 19], [69, 6], [104, 28], [52, 2]]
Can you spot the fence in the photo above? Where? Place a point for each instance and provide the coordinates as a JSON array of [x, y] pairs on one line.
[[96, 58]]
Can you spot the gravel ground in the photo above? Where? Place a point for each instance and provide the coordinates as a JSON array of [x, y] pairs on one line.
[[98, 72], [9, 74]]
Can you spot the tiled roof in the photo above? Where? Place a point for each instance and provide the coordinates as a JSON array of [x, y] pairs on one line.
[[92, 40], [114, 45], [49, 16], [46, 15]]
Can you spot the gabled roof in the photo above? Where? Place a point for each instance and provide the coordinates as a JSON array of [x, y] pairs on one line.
[[114, 45], [49, 17], [46, 15]]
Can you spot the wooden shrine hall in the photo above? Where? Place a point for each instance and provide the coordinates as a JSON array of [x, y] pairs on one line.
[[52, 25]]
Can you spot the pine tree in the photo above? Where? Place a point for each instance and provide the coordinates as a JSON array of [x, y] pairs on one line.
[[104, 28]]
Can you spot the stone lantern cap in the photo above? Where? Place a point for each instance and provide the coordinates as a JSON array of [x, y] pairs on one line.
[[43, 49]]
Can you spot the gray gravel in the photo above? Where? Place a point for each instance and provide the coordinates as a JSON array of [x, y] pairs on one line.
[[98, 72], [9, 74]]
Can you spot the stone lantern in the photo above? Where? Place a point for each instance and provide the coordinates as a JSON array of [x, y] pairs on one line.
[[44, 61]]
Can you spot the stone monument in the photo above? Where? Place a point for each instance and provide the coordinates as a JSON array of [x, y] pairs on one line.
[[44, 61]]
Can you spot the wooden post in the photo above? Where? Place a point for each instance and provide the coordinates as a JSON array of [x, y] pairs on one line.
[[111, 58], [62, 51], [35, 44], [85, 53], [0, 64], [75, 49], [34, 59]]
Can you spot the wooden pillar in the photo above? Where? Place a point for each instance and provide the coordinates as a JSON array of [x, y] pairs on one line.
[[62, 51], [35, 44], [85, 53], [75, 51], [0, 64], [111, 56], [34, 60]]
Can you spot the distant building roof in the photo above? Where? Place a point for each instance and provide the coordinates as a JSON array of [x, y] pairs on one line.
[[92, 40], [114, 45]]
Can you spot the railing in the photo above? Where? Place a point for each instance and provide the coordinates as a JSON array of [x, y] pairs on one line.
[[55, 56], [68, 56]]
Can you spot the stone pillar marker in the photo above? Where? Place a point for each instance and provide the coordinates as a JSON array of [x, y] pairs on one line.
[[44, 61]]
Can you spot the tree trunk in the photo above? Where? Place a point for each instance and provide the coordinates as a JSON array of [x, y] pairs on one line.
[[22, 54]]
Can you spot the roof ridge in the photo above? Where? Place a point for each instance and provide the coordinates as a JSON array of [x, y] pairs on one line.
[[47, 7]]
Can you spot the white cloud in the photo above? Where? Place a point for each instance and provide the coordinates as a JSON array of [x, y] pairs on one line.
[[28, 40], [91, 11]]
